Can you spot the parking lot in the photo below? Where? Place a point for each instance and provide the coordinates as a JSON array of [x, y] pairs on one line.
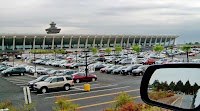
[[102, 94], [103, 91]]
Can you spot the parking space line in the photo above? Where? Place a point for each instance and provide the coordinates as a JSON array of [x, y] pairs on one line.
[[19, 81], [88, 92], [81, 107], [90, 85], [104, 95], [58, 92]]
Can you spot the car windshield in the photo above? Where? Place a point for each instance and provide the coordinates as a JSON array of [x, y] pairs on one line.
[[39, 78], [48, 79]]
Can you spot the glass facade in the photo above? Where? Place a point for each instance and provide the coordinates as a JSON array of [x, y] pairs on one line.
[[82, 42], [29, 41], [66, 42], [8, 43], [74, 43], [38, 43], [57, 43]]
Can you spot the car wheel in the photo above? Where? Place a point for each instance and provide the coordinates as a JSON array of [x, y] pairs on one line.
[[67, 87], [77, 81], [22, 74], [44, 90], [8, 74], [129, 73], [140, 74], [93, 79]]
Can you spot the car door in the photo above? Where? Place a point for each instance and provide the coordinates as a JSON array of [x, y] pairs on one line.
[[60, 82], [53, 83]]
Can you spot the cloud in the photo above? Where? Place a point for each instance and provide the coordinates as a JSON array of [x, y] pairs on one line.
[[103, 16]]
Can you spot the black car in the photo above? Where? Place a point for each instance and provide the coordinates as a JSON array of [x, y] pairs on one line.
[[128, 70], [98, 67], [13, 71], [102, 59], [109, 70], [76, 65]]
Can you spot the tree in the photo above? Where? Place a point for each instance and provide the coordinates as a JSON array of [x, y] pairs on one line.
[[179, 86], [47, 51], [187, 87], [137, 49], [94, 50], [118, 49], [57, 51], [195, 88], [172, 86], [52, 51], [186, 48], [108, 50], [63, 51], [158, 49]]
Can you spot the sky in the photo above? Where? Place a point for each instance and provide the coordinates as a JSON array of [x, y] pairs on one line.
[[180, 17]]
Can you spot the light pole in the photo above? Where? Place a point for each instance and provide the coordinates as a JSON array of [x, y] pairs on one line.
[[13, 59], [76, 56], [86, 86]]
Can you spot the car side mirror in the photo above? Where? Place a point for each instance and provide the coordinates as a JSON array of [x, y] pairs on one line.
[[172, 86]]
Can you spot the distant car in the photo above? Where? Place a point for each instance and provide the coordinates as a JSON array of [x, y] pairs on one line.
[[192, 54], [102, 59], [118, 70], [104, 69], [66, 73], [81, 76], [140, 70], [109, 70], [128, 70], [149, 61], [99, 66], [41, 78], [13, 71], [44, 72]]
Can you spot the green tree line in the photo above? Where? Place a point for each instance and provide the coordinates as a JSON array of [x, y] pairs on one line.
[[179, 86]]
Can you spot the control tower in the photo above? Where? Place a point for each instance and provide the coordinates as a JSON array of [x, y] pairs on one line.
[[52, 29]]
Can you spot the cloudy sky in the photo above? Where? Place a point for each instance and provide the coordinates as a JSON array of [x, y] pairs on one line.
[[180, 17]]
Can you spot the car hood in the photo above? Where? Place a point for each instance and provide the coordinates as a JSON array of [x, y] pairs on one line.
[[137, 70], [33, 81]]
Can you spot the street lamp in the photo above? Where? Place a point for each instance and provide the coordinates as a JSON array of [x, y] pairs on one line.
[[76, 56], [86, 86]]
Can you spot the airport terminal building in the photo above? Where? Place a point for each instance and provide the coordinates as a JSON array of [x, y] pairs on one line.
[[54, 40], [60, 41]]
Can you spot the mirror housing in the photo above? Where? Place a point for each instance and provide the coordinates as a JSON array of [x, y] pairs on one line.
[[146, 79]]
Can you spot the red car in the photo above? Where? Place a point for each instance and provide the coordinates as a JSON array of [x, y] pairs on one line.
[[81, 76], [149, 61]]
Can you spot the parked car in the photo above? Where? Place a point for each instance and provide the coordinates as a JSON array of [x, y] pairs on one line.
[[102, 59], [81, 76], [99, 66], [3, 68], [54, 82], [46, 71], [128, 70], [13, 71], [66, 73], [41, 78], [149, 61], [140, 70], [118, 70], [104, 69], [109, 70]]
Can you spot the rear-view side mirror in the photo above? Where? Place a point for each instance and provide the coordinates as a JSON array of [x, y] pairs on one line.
[[172, 86]]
